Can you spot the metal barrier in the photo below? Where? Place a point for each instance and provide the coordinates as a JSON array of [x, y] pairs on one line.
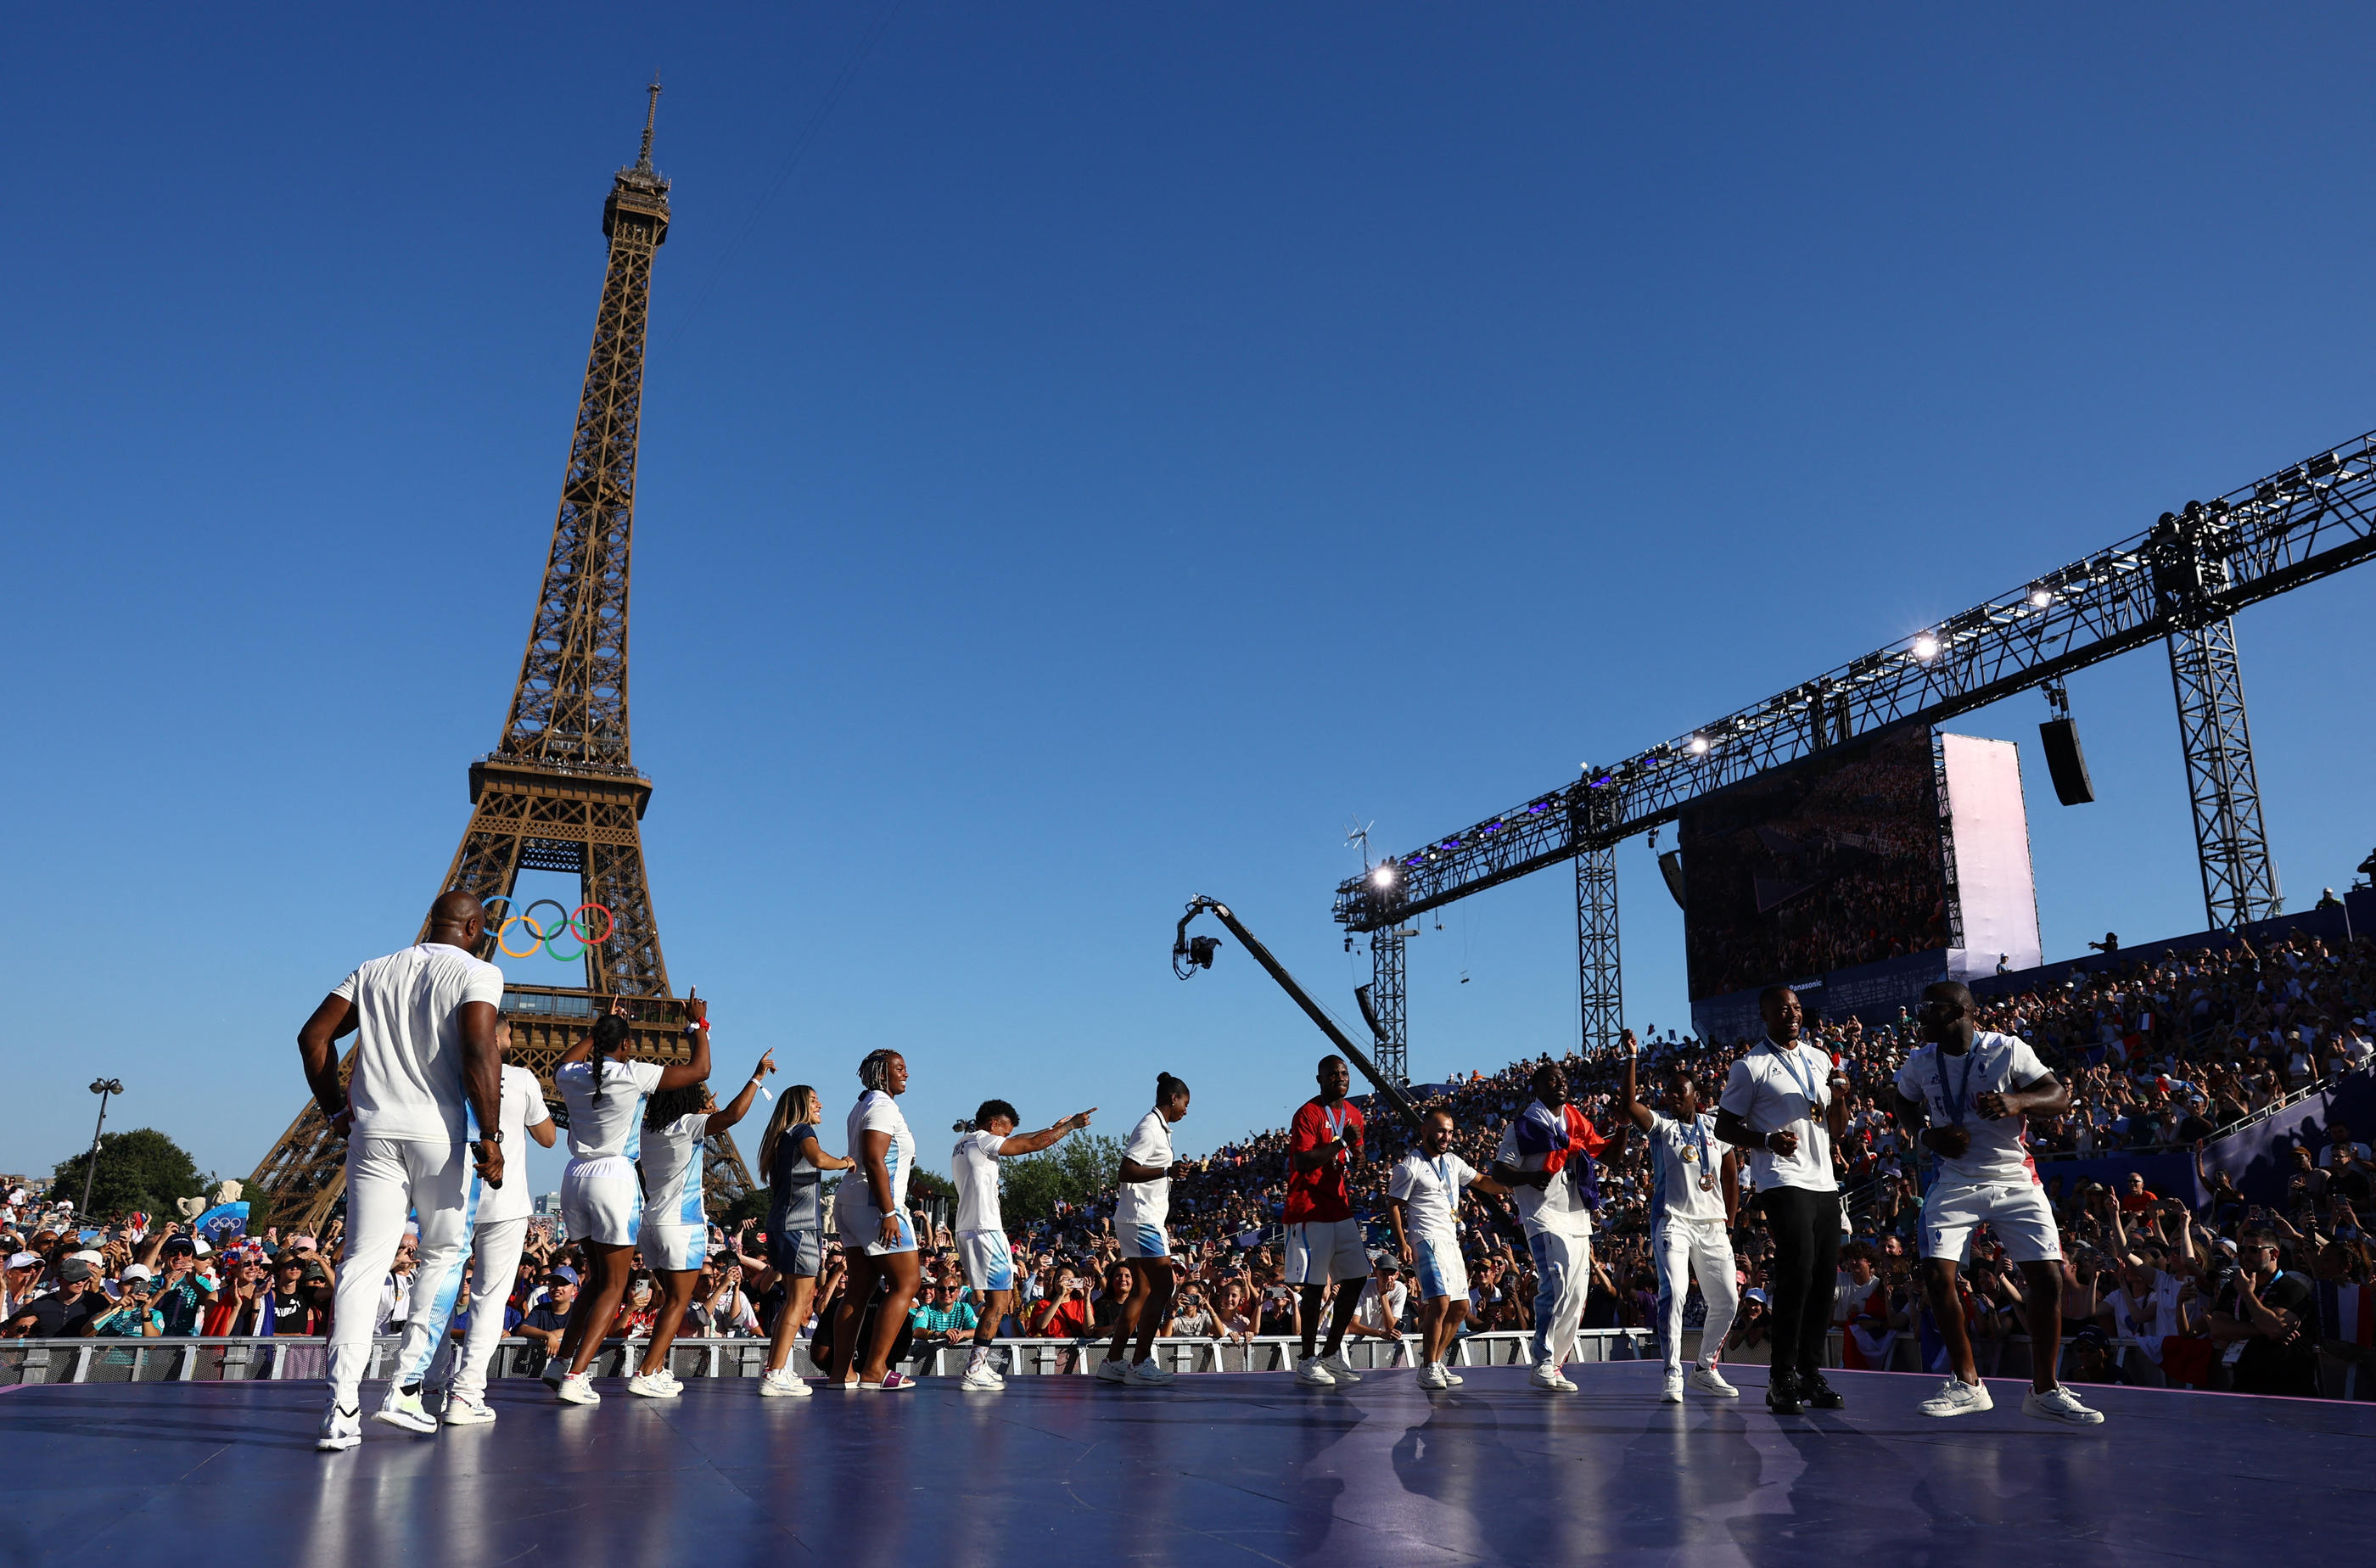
[[236, 1361]]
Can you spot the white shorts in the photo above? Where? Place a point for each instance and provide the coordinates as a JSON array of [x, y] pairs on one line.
[[1326, 1251], [678, 1248], [601, 1202], [861, 1228], [1442, 1270], [2016, 1210], [988, 1264], [1144, 1241]]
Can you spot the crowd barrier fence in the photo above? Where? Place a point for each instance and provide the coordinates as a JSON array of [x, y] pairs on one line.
[[283, 1360]]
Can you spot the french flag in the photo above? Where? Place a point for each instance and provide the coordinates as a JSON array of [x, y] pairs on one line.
[[2348, 1312]]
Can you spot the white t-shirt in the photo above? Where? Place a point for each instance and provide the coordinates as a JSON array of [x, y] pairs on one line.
[[1681, 1152], [613, 1125], [672, 1160], [1558, 1208], [1430, 1190], [408, 1078], [523, 1108], [1146, 1203], [1947, 1085], [975, 1164], [1372, 1311], [1774, 1090], [854, 1199]]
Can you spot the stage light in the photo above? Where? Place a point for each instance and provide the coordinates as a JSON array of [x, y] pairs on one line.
[[1384, 876], [1926, 646], [1699, 745], [2040, 598]]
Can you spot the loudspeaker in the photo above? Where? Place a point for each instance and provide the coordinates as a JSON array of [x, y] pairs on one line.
[[1671, 866], [2066, 762]]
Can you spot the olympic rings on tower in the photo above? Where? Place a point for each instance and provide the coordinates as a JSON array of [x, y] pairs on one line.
[[575, 922]]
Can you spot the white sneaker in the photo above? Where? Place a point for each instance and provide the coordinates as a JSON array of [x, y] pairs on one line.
[[1957, 1397], [461, 1410], [1432, 1376], [1450, 1377], [1114, 1371], [2059, 1404], [341, 1429], [555, 1370], [984, 1380], [1339, 1368], [1549, 1379], [1148, 1374], [578, 1390], [402, 1409], [776, 1384], [1313, 1373], [655, 1385], [1708, 1380], [1671, 1389]]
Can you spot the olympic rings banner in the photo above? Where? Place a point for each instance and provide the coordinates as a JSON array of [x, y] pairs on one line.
[[544, 935]]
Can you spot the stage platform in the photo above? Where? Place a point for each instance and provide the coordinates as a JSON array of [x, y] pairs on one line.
[[1225, 1467]]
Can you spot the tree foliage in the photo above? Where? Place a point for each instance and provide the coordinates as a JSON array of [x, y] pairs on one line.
[[140, 1170], [1079, 1170]]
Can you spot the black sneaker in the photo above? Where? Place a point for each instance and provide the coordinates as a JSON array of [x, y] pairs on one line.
[[1821, 1395], [1782, 1394]]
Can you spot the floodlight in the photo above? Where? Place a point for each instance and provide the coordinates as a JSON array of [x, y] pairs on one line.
[[1926, 646], [2040, 598], [1384, 876], [1699, 745]]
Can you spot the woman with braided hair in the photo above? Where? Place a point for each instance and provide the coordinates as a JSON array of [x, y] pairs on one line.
[[876, 1240], [602, 1200]]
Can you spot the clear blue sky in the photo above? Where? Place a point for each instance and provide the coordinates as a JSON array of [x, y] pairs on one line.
[[1131, 443]]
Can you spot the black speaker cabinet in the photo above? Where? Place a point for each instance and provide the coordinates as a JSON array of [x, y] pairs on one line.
[[2066, 762]]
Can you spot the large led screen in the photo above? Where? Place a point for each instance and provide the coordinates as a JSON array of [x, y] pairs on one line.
[[1819, 867]]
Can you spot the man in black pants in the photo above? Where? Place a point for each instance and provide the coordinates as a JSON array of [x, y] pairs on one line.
[[1785, 1103]]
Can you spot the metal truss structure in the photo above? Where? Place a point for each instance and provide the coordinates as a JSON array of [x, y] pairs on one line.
[[1599, 977], [1389, 1017], [560, 792], [2182, 580]]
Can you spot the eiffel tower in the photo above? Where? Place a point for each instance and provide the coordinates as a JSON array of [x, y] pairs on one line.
[[560, 792]]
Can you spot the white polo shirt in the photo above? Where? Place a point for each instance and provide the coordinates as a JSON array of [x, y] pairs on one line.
[[523, 1107], [1774, 1090], [408, 1076]]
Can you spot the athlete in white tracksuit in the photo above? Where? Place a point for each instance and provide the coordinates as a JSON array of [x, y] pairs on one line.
[[1695, 1194], [420, 1112], [495, 1243]]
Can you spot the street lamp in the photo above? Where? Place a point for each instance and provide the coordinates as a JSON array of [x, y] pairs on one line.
[[102, 1088]]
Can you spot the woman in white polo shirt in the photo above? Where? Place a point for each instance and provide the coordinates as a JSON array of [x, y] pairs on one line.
[[877, 1238]]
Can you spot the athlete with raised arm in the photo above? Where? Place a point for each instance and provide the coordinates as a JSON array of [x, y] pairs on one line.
[[981, 1232], [602, 1200], [674, 1236], [1695, 1199]]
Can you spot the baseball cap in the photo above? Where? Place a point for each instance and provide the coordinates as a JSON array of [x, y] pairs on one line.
[[73, 1269], [200, 1246], [564, 1272], [137, 1271], [23, 1259]]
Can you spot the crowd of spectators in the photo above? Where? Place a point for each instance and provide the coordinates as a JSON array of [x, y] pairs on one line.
[[2161, 1054]]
